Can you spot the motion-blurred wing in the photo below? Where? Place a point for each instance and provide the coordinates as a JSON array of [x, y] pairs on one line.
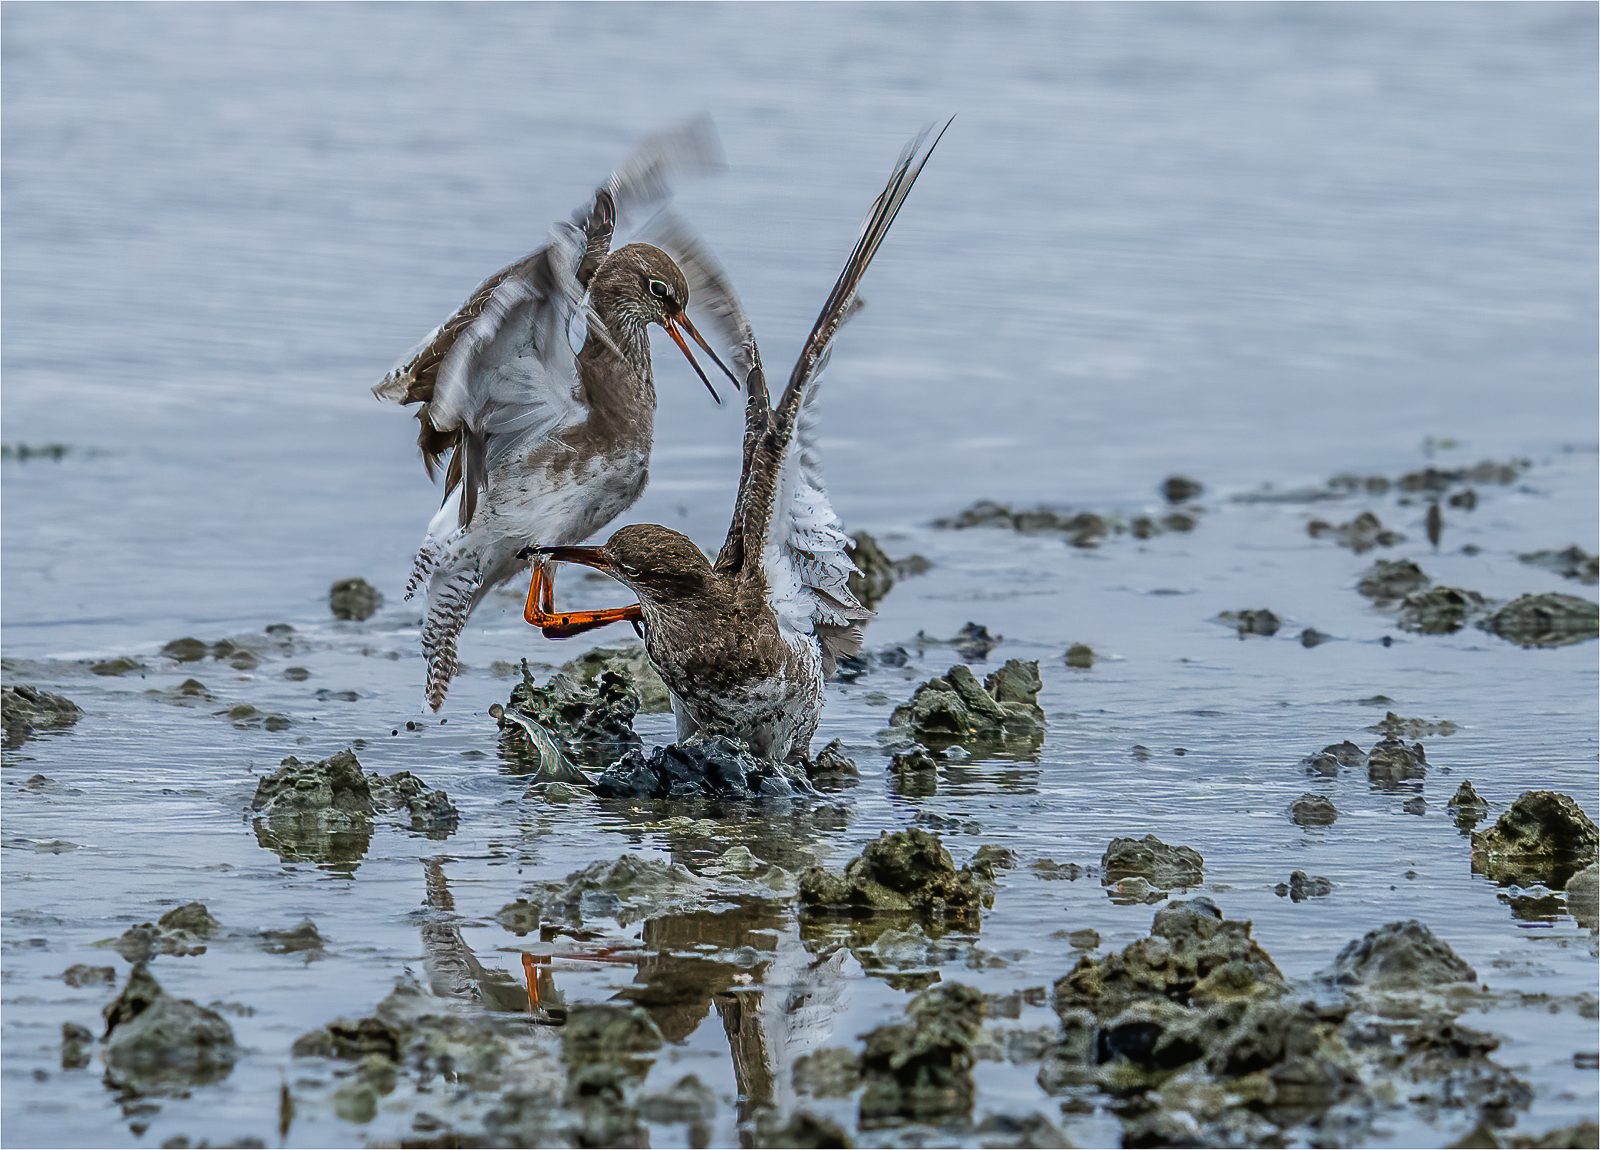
[[803, 556], [500, 374]]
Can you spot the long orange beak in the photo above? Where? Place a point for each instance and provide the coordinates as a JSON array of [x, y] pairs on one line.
[[671, 323], [583, 556]]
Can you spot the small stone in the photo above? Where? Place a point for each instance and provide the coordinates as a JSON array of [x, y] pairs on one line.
[[1543, 837], [520, 917], [1392, 763], [1313, 811], [1389, 580], [874, 575], [1253, 621], [354, 599], [1085, 939], [1546, 620], [1399, 956], [1466, 806], [1151, 859], [1583, 896], [77, 1043], [1180, 488], [82, 974], [1081, 656], [187, 650], [1311, 637], [121, 665]]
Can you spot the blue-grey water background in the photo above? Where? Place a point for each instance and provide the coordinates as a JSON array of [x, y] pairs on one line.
[[1251, 243]]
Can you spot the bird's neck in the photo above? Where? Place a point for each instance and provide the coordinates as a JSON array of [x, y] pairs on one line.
[[614, 363]]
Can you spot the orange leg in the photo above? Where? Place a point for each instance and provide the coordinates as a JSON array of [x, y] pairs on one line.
[[540, 611]]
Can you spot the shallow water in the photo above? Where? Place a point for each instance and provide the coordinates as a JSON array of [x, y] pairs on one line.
[[1254, 244]]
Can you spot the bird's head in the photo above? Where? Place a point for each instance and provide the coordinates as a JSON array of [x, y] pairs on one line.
[[643, 284]]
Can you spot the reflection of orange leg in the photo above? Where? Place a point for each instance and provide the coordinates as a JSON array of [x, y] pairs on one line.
[[531, 974], [540, 610]]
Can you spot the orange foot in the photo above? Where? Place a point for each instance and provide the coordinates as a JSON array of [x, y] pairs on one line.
[[540, 611]]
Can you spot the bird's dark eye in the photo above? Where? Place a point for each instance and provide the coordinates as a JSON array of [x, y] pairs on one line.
[[659, 289]]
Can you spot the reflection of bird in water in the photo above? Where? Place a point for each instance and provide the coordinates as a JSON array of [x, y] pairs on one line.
[[539, 393], [744, 644]]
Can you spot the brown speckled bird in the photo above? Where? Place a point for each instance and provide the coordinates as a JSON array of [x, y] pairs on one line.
[[744, 644], [540, 394]]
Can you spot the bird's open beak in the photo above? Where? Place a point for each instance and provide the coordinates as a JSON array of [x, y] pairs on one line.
[[583, 556], [671, 323]]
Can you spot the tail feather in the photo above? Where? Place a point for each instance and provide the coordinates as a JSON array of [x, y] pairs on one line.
[[451, 596]]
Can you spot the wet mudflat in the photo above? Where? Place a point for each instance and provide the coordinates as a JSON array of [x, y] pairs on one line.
[[1145, 892]]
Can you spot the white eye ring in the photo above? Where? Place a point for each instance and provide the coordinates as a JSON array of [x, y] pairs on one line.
[[658, 289]]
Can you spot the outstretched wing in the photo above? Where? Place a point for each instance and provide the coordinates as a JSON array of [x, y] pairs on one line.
[[783, 501], [500, 373]]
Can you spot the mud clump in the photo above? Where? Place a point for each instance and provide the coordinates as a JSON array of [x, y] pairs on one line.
[[907, 872], [322, 812], [1543, 837], [302, 938], [1334, 758], [1392, 764], [1573, 563], [1360, 535], [632, 663], [1467, 806], [1313, 811], [1080, 656], [920, 1070], [1390, 580], [182, 931], [155, 1043], [27, 711], [1152, 860], [1583, 896], [627, 889], [1253, 621], [427, 811], [702, 766], [1302, 886], [874, 576], [354, 599], [955, 709], [1546, 620], [1400, 728], [1181, 489], [592, 721], [916, 772], [830, 769], [1399, 956], [1439, 610]]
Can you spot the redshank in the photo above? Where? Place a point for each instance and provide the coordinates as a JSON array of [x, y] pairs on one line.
[[744, 644], [539, 392]]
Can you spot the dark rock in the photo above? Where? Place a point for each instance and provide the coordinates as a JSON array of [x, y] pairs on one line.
[[831, 769], [156, 1043], [1392, 764], [1573, 563], [1081, 656], [1311, 637], [315, 812], [353, 599], [1254, 621], [991, 857], [1153, 860], [1467, 806], [182, 931], [426, 810], [1583, 896], [1388, 580], [1360, 535], [1050, 870], [1546, 620], [1193, 958], [77, 1044], [1180, 488], [27, 711], [874, 575], [192, 917], [1334, 758], [1543, 837], [920, 1070], [121, 665], [631, 663], [592, 722], [906, 871], [1439, 610], [1415, 805], [1302, 886], [300, 939], [1399, 956], [955, 709], [915, 772], [1313, 811], [1435, 480], [82, 974], [702, 766], [1398, 728]]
